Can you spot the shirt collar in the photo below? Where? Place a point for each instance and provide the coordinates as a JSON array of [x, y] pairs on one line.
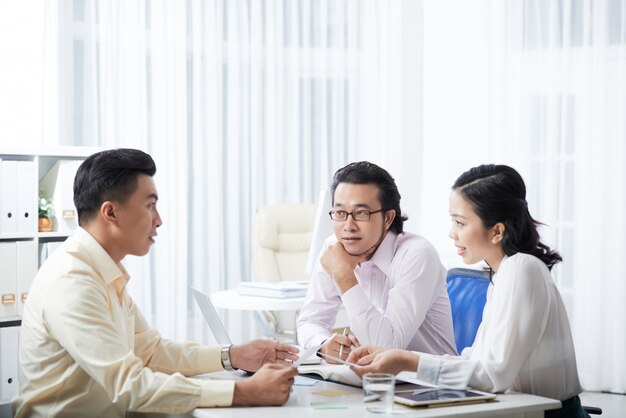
[[384, 253], [493, 276], [101, 261]]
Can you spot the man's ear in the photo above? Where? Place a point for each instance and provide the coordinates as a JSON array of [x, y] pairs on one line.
[[390, 215], [108, 211], [497, 233]]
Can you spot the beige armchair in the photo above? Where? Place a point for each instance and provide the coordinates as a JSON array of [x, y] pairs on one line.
[[281, 237]]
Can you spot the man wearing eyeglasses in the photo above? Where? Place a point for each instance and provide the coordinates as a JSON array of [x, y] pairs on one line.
[[391, 282]]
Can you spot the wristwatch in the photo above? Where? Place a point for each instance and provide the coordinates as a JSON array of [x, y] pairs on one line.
[[225, 356]]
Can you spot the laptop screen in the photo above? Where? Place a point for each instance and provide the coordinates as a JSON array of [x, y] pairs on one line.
[[211, 317]]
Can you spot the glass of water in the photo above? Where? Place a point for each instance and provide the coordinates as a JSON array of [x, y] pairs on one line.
[[378, 389]]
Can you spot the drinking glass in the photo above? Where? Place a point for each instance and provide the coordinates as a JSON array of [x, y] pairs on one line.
[[378, 390]]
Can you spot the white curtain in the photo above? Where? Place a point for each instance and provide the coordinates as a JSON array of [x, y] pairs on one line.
[[241, 103], [28, 73], [540, 85]]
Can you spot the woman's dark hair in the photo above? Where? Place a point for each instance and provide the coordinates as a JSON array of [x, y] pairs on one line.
[[364, 172], [498, 195], [108, 175]]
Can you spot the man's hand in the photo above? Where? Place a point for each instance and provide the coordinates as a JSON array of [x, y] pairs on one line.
[[381, 360], [268, 386], [251, 356], [332, 346], [340, 265]]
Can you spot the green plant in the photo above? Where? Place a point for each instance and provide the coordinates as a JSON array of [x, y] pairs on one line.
[[46, 209]]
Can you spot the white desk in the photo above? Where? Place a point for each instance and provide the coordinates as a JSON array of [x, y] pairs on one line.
[[230, 299], [299, 405]]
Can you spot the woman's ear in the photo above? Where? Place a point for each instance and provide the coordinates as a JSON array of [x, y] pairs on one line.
[[497, 233], [390, 215]]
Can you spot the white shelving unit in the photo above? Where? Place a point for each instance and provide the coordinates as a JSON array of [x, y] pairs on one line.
[[21, 244]]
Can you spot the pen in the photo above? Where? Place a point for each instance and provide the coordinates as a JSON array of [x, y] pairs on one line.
[[345, 334]]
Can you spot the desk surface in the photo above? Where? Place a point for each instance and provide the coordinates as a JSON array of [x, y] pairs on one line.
[[230, 299], [299, 405]]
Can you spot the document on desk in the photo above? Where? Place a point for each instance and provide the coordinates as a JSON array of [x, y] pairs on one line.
[[281, 290], [339, 360], [310, 352]]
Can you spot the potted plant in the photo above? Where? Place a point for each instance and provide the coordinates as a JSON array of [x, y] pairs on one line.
[[46, 213]]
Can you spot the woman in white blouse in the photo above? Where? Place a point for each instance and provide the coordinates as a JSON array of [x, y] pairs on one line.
[[524, 342]]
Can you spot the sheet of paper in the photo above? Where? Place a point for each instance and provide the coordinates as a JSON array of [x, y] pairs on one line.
[[304, 381], [307, 353], [332, 392], [339, 360]]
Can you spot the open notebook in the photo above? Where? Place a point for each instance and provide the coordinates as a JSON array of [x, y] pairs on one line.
[[338, 373]]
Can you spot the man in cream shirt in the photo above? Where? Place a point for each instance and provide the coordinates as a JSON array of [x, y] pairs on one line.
[[85, 347]]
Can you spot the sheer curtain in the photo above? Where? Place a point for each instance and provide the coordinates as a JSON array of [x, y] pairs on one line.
[[241, 104], [28, 73], [540, 85]]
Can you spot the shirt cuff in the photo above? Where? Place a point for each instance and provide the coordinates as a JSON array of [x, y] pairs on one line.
[[217, 393], [209, 359], [355, 301], [428, 368], [445, 372]]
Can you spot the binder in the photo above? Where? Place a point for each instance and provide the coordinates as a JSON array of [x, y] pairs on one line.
[[8, 279], [9, 343], [8, 195], [26, 198], [46, 249], [26, 271], [58, 184], [1, 209]]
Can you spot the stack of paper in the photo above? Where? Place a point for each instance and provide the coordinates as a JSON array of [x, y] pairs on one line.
[[273, 289]]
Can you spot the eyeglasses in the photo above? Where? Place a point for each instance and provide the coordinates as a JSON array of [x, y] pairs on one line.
[[357, 215]]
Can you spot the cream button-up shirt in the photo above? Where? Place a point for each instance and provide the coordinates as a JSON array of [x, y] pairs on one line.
[[86, 350]]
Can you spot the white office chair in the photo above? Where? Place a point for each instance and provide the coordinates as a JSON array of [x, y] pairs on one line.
[[281, 237]]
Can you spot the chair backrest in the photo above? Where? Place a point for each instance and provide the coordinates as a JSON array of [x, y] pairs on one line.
[[281, 237], [467, 290]]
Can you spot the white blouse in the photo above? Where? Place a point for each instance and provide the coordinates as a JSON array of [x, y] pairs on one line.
[[524, 343]]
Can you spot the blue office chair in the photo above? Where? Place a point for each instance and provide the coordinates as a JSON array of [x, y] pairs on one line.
[[467, 290]]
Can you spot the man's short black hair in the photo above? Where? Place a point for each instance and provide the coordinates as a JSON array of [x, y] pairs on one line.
[[108, 176], [364, 172]]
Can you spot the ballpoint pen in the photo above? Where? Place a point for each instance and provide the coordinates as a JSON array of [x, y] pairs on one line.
[[345, 334]]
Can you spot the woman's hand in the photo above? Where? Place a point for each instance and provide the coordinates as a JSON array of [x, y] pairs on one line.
[[381, 360]]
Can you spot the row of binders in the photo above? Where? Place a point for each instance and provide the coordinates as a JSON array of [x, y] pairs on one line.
[[282, 290], [18, 197], [19, 266]]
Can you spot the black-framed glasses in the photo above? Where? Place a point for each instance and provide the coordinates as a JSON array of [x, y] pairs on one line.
[[357, 215]]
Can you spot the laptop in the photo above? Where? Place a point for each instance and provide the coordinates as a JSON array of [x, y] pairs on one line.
[[211, 317]]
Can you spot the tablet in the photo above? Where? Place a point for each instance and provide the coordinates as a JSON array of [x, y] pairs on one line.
[[438, 396]]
